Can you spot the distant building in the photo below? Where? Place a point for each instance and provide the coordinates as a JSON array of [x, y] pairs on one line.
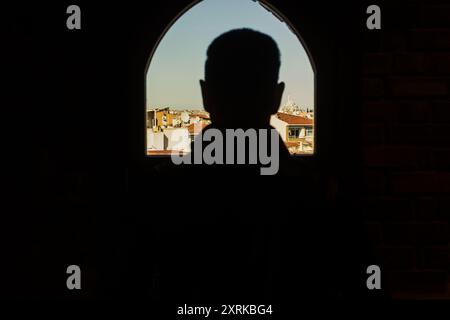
[[177, 139], [173, 130], [292, 128], [159, 119], [171, 139], [156, 140], [195, 128]]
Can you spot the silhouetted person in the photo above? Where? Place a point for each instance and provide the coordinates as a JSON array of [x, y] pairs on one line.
[[249, 240], [241, 90]]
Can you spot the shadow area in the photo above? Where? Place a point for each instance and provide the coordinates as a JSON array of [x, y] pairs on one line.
[[222, 233]]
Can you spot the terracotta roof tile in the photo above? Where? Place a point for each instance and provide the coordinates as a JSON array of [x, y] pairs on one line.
[[196, 128], [291, 119]]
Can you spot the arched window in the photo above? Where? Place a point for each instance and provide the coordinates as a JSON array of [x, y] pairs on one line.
[[174, 104]]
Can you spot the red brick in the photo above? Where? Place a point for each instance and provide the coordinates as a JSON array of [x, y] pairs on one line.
[[405, 157], [441, 159], [395, 40], [373, 134], [426, 209], [440, 135], [407, 134], [441, 112], [412, 112], [444, 207], [377, 63], [405, 111], [434, 258], [415, 233], [443, 179], [418, 87], [438, 63], [375, 182], [396, 258], [409, 63], [373, 87], [407, 282], [374, 232], [382, 208], [434, 233], [421, 182], [435, 16], [397, 234], [377, 111], [430, 39]]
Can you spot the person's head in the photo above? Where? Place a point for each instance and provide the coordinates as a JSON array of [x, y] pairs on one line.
[[241, 86]]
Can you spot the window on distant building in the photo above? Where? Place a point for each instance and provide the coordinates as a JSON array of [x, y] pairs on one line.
[[293, 133], [173, 97]]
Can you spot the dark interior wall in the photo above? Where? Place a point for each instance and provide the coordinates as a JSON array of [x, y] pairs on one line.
[[77, 180], [406, 145]]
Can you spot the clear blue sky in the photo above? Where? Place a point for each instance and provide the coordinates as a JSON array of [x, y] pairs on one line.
[[178, 63]]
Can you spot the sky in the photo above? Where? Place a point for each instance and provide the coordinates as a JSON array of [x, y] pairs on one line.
[[178, 62]]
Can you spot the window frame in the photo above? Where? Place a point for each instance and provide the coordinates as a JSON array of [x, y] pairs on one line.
[[283, 18]]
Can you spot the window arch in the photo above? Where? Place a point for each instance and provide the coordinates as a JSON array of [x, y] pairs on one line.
[[176, 64]]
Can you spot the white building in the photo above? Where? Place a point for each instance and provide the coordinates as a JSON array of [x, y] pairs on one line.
[[176, 139], [291, 127], [155, 140]]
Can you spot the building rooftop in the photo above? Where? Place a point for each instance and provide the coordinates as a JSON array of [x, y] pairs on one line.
[[290, 144], [196, 128], [291, 119], [164, 152], [200, 115]]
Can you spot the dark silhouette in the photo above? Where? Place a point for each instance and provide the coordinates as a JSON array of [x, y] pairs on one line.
[[241, 91], [241, 88], [219, 247]]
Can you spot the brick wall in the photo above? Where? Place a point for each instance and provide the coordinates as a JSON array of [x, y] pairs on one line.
[[406, 134]]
